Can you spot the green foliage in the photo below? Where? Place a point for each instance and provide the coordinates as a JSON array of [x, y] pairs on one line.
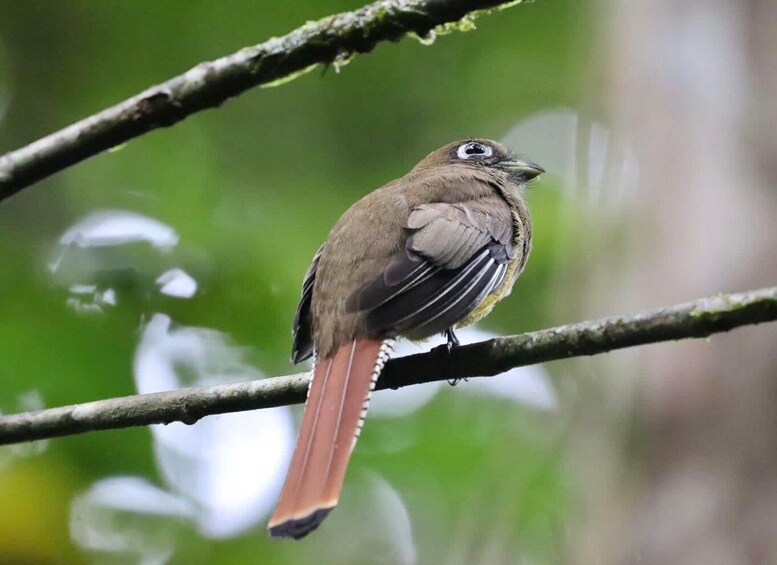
[[252, 189]]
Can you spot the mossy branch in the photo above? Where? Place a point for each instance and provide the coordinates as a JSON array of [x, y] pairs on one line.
[[699, 318], [334, 39]]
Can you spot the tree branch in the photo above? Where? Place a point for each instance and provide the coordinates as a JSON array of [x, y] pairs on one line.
[[695, 319], [332, 39]]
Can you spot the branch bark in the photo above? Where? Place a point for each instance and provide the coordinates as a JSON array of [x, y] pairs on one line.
[[332, 39], [699, 318]]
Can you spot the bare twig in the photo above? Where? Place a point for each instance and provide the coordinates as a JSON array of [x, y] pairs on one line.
[[700, 318], [331, 39]]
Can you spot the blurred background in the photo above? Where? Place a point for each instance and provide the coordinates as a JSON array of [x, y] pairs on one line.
[[177, 260]]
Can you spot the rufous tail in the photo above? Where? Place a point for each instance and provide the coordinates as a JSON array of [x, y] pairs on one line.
[[338, 398]]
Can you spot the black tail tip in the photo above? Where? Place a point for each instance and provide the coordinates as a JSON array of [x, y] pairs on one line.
[[299, 528]]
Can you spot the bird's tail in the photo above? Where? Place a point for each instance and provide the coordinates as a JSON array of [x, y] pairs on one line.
[[338, 398]]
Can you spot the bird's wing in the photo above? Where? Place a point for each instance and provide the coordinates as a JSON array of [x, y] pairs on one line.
[[302, 330], [455, 255]]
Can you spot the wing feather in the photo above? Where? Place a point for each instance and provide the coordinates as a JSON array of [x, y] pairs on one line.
[[455, 255], [301, 330]]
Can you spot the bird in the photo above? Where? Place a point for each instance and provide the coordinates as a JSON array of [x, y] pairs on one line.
[[425, 254]]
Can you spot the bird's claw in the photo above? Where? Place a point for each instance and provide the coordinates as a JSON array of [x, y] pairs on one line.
[[452, 342]]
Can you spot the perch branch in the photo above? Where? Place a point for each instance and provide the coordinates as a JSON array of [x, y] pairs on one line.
[[699, 318], [333, 39]]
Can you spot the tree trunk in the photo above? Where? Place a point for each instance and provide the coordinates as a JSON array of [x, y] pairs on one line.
[[694, 90]]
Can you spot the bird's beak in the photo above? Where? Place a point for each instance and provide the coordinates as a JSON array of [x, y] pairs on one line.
[[522, 169]]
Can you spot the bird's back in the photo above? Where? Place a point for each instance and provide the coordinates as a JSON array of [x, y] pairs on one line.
[[366, 238]]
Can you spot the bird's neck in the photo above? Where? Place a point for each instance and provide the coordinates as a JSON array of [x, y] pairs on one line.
[[515, 197]]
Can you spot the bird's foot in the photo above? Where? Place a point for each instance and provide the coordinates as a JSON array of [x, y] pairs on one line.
[[452, 342]]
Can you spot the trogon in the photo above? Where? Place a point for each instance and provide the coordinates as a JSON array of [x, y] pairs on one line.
[[427, 253]]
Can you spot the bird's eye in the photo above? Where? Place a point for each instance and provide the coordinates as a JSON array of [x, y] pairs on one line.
[[473, 149]]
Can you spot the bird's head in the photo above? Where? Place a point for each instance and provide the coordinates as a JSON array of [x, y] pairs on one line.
[[484, 154]]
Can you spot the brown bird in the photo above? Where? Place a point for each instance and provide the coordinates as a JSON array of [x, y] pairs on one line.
[[426, 253]]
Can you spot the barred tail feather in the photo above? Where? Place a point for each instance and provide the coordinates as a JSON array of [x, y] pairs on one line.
[[337, 404]]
